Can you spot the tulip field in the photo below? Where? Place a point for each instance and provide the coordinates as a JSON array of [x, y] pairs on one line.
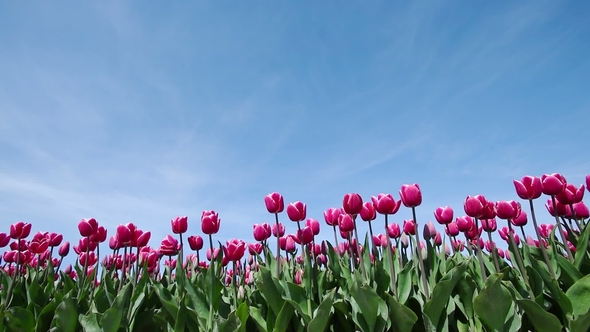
[[397, 277]]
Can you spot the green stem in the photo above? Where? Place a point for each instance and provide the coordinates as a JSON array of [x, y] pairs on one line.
[[393, 284], [420, 261], [358, 241], [278, 246], [570, 256], [540, 238], [211, 272], [519, 260], [494, 252]]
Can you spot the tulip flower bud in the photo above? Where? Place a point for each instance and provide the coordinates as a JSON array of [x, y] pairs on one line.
[[429, 231], [314, 225], [297, 211], [465, 223], [553, 184], [278, 230], [179, 225], [352, 203], [529, 187], [4, 240], [520, 219], [411, 195], [385, 204], [489, 225], [345, 223], [274, 203], [588, 182], [124, 234], [580, 209], [474, 206], [331, 216], [20, 230], [452, 229], [210, 222], [195, 242], [409, 227], [404, 240], [87, 227], [393, 230], [368, 212], [444, 215]]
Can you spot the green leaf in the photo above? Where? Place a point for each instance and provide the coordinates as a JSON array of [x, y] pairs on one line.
[[89, 322], [404, 282], [493, 303], [582, 247], [322, 314], [180, 321], [579, 295], [166, 300], [269, 290], [541, 319], [231, 324], [66, 314], [402, 318], [19, 319], [368, 303], [569, 273], [297, 296], [442, 292], [242, 314], [466, 288], [257, 317], [284, 317], [581, 323], [113, 318]]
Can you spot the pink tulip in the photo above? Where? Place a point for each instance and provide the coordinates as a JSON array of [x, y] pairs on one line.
[[409, 227], [520, 219], [562, 210], [64, 249], [458, 245], [140, 238], [331, 216], [443, 215], [87, 227], [216, 252], [54, 239], [437, 239], [385, 204], [368, 212], [571, 194], [274, 203], [305, 235], [580, 209], [411, 195], [261, 232], [124, 234], [394, 231], [489, 211], [553, 184], [4, 239], [99, 236], [234, 250], [545, 230], [507, 209], [38, 247], [474, 206], [429, 231], [20, 230], [287, 243], [530, 187], [352, 203], [297, 211], [179, 225], [473, 233], [169, 246], [314, 225], [504, 234], [452, 229], [465, 223], [489, 225], [195, 242], [588, 182], [210, 222], [255, 248], [114, 243], [345, 223]]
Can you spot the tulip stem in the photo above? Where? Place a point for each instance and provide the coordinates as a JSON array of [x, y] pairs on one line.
[[390, 258], [299, 236], [570, 256], [519, 260], [420, 261], [356, 234], [494, 252], [479, 254], [278, 245], [541, 243], [335, 236], [212, 273]]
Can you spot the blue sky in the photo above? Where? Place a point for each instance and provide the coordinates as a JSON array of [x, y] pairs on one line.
[[136, 112]]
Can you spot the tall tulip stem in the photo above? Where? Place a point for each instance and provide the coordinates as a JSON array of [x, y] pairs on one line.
[[420, 261], [480, 255], [278, 246], [570, 256], [541, 244], [390, 258]]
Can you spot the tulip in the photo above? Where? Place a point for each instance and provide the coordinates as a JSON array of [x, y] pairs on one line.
[[520, 220], [4, 239], [195, 242], [234, 250], [580, 209], [530, 187], [437, 239], [255, 248], [287, 243], [64, 249], [409, 227], [297, 211], [352, 203], [261, 232], [553, 184], [394, 231], [99, 236], [141, 239], [562, 210], [169, 246], [314, 225], [571, 194], [411, 195], [545, 230], [124, 235], [20, 230], [507, 209], [385, 204], [179, 225], [368, 212], [489, 225], [278, 230], [39, 247], [274, 203], [452, 229], [210, 222], [216, 252], [54, 239], [444, 215], [465, 223], [345, 223], [489, 210], [588, 182], [305, 235], [87, 227], [474, 206], [429, 231], [114, 243], [331, 216]]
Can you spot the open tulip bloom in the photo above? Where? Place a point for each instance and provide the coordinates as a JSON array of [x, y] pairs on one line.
[[494, 269]]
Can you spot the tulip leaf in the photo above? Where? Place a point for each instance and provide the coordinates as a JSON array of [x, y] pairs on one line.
[[493, 303], [370, 305], [269, 290], [89, 322], [180, 321], [542, 320], [579, 295], [569, 273], [442, 292], [296, 295], [322, 314], [581, 323], [401, 317], [582, 247], [284, 317], [561, 298], [19, 319], [242, 314], [257, 317], [113, 318], [198, 301], [66, 314], [404, 282]]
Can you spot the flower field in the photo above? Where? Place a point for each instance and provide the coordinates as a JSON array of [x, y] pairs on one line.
[[397, 277]]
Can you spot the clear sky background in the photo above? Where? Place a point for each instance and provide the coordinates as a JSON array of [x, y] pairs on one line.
[[137, 112]]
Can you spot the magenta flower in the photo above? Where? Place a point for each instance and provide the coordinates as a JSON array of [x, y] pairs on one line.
[[314, 225], [297, 211], [64, 249], [571, 194], [278, 231], [588, 182], [345, 223], [553, 184], [475, 205], [255, 248], [411, 195], [520, 219], [507, 209], [195, 242], [452, 229], [409, 227], [394, 231], [489, 225], [443, 215], [305, 235], [580, 209], [529, 187], [234, 250], [274, 203], [465, 223], [385, 204], [179, 225], [429, 231], [87, 227], [4, 240], [123, 234], [331, 216], [210, 222], [562, 210], [352, 203], [169, 246], [368, 212]]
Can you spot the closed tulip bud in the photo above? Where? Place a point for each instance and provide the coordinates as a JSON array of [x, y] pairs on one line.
[[429, 231], [123, 234], [437, 239], [4, 240], [530, 187], [344, 234], [305, 235], [465, 223], [385, 204], [278, 230], [520, 219], [489, 211], [545, 230], [54, 239], [507, 209], [99, 236], [274, 203], [297, 211], [458, 245], [314, 225], [64, 249], [472, 234], [210, 222], [489, 225], [553, 184], [216, 252], [500, 252], [179, 225], [114, 243], [261, 233], [377, 240], [234, 250], [20, 230], [394, 231], [452, 229], [87, 227], [404, 240], [287, 243], [474, 206], [352, 203], [368, 212], [195, 242], [580, 209], [409, 227], [331, 216], [571, 194], [411, 195], [345, 223], [141, 239], [562, 210], [443, 215]]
